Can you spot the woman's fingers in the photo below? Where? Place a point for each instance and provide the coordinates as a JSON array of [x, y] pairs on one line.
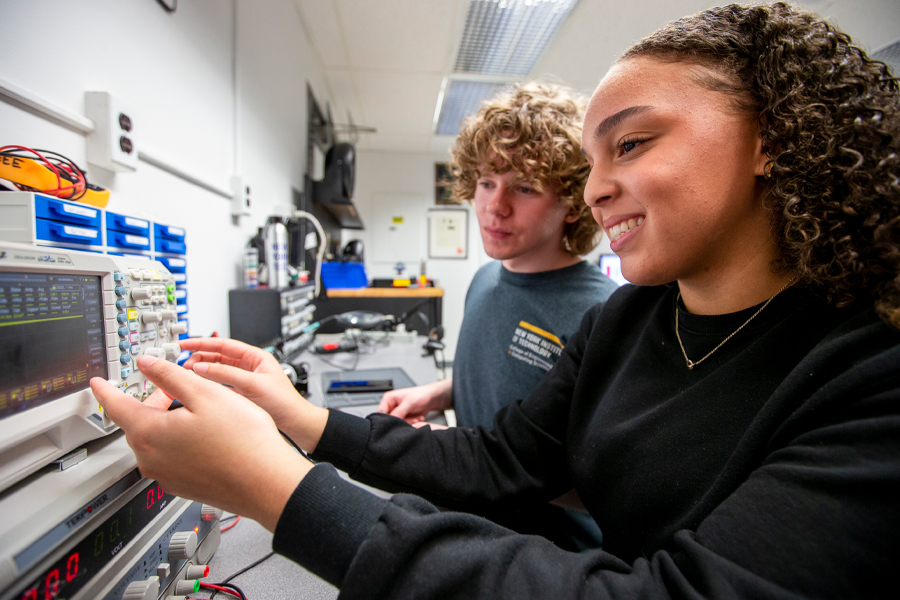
[[175, 381], [124, 410], [237, 378]]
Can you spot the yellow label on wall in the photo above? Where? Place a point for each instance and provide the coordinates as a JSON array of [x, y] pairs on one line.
[[398, 220]]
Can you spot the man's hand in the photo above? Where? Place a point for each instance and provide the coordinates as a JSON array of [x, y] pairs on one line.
[[413, 404], [220, 448], [256, 375]]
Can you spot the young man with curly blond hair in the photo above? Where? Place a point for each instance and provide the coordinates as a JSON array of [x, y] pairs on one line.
[[519, 162]]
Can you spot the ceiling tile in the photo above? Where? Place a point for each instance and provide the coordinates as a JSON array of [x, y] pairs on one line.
[[322, 25], [400, 34], [398, 102], [598, 31]]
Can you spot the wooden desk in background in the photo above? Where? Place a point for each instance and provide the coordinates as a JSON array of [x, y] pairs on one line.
[[423, 305]]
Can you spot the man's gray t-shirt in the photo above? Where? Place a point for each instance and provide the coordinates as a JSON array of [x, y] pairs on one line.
[[514, 328]]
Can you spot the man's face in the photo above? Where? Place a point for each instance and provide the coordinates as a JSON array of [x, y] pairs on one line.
[[519, 225]]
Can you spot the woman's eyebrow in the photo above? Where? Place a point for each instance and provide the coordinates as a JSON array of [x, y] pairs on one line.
[[610, 122]]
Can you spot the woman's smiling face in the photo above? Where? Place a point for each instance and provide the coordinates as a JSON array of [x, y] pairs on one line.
[[674, 174]]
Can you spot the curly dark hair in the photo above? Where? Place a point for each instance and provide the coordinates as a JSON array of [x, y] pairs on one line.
[[535, 130], [829, 120]]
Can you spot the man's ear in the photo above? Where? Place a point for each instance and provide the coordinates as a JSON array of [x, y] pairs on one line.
[[572, 216]]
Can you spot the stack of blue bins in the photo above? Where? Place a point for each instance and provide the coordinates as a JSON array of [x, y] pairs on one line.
[[170, 249]]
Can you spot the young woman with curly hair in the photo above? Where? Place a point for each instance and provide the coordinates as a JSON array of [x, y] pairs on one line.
[[732, 422]]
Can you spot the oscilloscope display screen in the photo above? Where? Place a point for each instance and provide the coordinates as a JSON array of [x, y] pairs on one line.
[[51, 338]]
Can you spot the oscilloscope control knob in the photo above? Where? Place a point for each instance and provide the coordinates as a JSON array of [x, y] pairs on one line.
[[178, 328], [182, 545], [172, 351], [157, 352], [151, 317], [147, 589], [168, 315], [140, 293], [210, 513]]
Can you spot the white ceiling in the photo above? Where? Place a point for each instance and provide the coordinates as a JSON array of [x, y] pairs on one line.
[[385, 60]]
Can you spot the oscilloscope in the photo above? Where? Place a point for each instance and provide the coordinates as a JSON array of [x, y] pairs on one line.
[[65, 317], [98, 529]]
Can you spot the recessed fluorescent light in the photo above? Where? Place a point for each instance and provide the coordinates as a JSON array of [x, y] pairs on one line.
[[890, 54], [463, 99], [507, 37]]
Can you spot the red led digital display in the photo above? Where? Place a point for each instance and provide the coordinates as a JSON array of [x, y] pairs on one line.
[[76, 567]]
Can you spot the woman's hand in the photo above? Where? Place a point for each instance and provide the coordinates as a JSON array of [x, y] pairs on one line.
[[256, 375], [220, 448]]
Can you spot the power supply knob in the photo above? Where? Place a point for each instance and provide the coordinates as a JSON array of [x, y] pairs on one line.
[[172, 351], [151, 317], [178, 328], [197, 572], [147, 589], [182, 545], [187, 586], [210, 513]]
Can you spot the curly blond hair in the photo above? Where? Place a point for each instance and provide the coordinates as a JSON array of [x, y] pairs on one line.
[[829, 120], [534, 130]]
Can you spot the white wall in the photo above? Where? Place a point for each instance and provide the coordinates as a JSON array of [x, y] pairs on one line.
[[401, 184], [175, 71]]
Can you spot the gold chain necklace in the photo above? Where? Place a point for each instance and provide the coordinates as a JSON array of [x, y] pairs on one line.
[[691, 364]]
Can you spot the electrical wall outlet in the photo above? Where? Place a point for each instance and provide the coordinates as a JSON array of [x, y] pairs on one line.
[[111, 145], [240, 197]]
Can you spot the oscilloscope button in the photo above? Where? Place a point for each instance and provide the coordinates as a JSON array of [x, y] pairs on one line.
[[121, 304], [121, 290], [122, 331], [136, 274], [125, 359], [118, 276], [124, 345], [122, 318], [124, 373]]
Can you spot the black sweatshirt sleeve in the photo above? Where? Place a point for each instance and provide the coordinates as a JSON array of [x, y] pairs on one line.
[[522, 459], [818, 518], [809, 523]]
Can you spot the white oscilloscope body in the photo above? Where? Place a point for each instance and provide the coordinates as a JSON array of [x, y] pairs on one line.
[[35, 437]]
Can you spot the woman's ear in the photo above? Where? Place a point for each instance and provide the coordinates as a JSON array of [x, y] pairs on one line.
[[762, 160]]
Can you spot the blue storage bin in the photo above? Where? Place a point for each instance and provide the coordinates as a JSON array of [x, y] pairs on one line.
[[127, 241], [53, 231], [67, 212], [170, 246], [337, 275], [180, 278], [117, 222], [174, 265], [180, 296], [165, 232]]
